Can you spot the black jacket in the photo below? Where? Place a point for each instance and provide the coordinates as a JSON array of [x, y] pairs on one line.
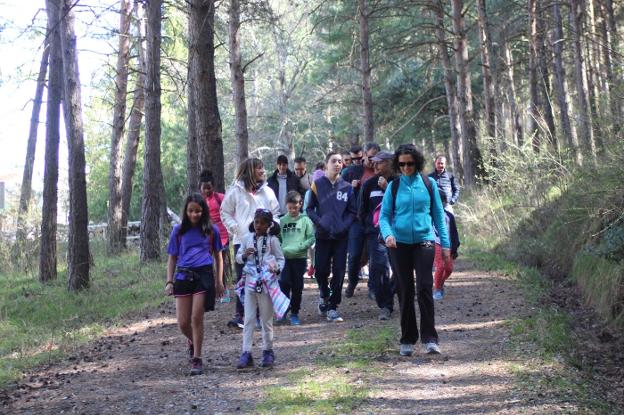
[[292, 183]]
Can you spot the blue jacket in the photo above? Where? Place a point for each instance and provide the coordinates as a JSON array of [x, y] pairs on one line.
[[446, 183], [410, 223], [332, 208]]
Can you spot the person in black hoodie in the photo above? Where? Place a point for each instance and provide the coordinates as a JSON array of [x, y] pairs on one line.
[[332, 208], [283, 181]]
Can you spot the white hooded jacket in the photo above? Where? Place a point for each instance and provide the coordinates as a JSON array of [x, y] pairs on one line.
[[239, 206]]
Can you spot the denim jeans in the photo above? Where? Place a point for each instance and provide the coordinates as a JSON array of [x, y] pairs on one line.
[[356, 246], [379, 272]]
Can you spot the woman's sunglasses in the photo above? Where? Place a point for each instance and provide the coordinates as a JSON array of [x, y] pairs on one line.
[[406, 164]]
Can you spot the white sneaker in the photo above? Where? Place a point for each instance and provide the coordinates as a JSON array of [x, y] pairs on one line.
[[333, 316], [432, 348], [406, 349]]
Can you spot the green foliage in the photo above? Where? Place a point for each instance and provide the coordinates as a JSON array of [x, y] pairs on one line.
[[40, 322], [566, 221]]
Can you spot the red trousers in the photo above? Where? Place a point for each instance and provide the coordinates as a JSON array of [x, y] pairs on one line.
[[443, 269]]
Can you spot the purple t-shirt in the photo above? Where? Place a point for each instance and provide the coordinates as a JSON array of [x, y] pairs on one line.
[[193, 248]]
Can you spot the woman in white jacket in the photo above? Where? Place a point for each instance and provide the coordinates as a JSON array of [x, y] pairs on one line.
[[248, 193]]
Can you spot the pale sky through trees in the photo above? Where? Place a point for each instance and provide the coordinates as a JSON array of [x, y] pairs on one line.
[[22, 26]]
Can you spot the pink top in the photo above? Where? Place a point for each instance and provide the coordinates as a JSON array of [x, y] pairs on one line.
[[214, 205]]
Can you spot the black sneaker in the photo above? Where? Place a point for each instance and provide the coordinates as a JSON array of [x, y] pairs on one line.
[[236, 322], [197, 366]]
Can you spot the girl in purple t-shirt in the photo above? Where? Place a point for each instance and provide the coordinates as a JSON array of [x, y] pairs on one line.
[[194, 249]]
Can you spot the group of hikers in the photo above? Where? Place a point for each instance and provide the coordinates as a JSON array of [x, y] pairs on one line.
[[365, 205]]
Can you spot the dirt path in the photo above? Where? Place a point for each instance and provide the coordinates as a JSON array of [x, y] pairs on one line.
[[141, 368]]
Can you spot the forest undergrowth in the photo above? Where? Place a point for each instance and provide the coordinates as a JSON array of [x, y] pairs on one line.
[[559, 231]]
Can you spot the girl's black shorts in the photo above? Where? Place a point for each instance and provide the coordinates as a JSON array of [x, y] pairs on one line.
[[198, 281]]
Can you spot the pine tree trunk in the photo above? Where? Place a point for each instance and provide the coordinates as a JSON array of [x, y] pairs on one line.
[[208, 121], [516, 120], [238, 83], [534, 101], [47, 252], [114, 229], [487, 68], [609, 42], [192, 151], [560, 83], [78, 235], [152, 174], [585, 128], [544, 81], [471, 154], [26, 188], [593, 75], [367, 97], [449, 87]]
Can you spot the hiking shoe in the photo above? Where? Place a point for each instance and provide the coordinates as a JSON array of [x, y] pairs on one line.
[[406, 349], [267, 358], [237, 321], [333, 316], [197, 366], [385, 314], [349, 291], [322, 309], [245, 361], [432, 348], [294, 320], [191, 349], [438, 295]]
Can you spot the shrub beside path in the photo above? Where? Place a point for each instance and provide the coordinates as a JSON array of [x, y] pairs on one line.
[[321, 367]]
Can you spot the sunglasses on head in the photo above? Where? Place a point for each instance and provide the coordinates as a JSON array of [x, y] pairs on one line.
[[406, 164]]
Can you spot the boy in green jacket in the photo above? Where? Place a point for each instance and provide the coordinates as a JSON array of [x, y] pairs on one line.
[[297, 236]]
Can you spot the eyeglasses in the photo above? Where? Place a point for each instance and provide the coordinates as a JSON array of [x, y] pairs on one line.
[[356, 158], [407, 164]]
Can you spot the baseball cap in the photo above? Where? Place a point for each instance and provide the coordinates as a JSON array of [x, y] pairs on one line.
[[382, 155]]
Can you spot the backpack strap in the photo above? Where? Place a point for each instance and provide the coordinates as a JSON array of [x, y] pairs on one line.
[[427, 183]]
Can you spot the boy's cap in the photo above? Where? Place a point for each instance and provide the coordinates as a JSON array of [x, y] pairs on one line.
[[383, 155]]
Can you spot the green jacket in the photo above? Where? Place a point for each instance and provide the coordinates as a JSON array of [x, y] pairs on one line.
[[297, 235]]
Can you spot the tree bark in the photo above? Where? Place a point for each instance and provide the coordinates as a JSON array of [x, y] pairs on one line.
[[114, 229], [471, 153], [78, 235], [208, 121], [585, 128], [238, 83], [26, 188], [367, 97], [592, 74], [609, 42], [534, 101], [192, 150], [560, 83], [449, 87], [152, 174], [516, 121], [544, 81], [487, 68], [47, 252], [134, 126]]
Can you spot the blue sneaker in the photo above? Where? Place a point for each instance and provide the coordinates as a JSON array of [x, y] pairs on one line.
[[438, 295], [294, 320], [334, 317], [245, 361]]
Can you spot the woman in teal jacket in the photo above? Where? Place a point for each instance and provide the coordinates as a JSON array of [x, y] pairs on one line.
[[405, 223]]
